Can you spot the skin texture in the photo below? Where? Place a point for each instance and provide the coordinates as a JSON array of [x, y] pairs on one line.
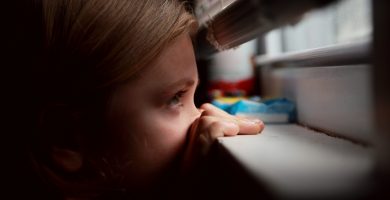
[[156, 110], [156, 113], [103, 99]]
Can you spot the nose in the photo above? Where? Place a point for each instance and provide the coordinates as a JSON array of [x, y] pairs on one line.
[[195, 112]]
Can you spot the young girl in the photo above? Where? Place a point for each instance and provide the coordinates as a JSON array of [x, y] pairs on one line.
[[108, 97]]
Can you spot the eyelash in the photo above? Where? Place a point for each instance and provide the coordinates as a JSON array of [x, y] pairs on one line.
[[176, 99]]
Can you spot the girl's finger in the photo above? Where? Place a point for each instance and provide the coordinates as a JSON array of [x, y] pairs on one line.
[[249, 126], [215, 127], [211, 110], [203, 133], [246, 126]]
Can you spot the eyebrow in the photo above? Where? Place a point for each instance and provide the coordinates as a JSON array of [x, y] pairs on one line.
[[186, 82]]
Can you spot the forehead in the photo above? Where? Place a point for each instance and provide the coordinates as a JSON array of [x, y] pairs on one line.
[[177, 61], [176, 64]]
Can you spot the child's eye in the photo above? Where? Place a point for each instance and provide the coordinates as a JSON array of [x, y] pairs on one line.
[[176, 99]]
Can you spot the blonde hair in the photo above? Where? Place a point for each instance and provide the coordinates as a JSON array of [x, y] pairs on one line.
[[112, 39], [88, 46]]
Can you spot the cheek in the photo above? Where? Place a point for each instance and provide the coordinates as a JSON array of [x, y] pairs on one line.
[[153, 143], [153, 137], [170, 132], [156, 138]]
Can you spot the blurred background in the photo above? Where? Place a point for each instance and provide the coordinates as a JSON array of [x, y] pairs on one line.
[[319, 64]]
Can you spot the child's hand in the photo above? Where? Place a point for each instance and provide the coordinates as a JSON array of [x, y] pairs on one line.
[[214, 123]]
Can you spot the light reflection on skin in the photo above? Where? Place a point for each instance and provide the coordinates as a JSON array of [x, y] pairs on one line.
[[157, 109]]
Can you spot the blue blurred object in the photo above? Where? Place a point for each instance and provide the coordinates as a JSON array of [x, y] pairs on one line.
[[280, 110]]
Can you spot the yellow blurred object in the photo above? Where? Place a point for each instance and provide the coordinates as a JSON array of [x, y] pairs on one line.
[[229, 100]]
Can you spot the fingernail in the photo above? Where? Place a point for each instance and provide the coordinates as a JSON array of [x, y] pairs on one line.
[[253, 121], [257, 121]]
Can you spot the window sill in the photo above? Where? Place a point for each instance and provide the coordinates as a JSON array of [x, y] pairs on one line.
[[295, 162]]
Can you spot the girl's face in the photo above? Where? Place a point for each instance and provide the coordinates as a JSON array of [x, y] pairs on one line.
[[154, 112]]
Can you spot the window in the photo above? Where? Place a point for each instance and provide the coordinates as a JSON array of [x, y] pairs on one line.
[[325, 68], [322, 60]]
